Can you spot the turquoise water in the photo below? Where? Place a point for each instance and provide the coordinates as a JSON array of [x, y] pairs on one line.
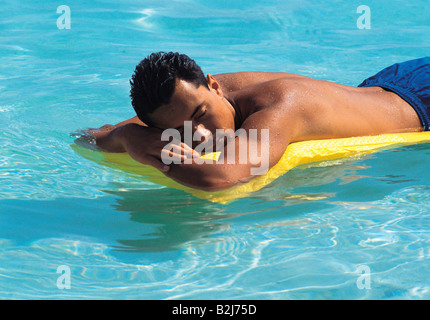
[[308, 235]]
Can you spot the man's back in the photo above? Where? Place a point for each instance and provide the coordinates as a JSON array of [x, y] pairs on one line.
[[327, 109]]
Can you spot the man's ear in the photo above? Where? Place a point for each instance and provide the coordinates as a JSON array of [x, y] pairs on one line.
[[213, 84]]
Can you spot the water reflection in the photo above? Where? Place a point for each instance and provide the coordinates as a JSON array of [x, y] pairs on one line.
[[171, 218], [165, 219]]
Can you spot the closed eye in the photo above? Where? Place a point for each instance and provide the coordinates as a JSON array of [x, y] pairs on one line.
[[202, 114]]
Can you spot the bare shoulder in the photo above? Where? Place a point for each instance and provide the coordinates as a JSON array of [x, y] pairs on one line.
[[273, 105], [274, 94], [240, 80]]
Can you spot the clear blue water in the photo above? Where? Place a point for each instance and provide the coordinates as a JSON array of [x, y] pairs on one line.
[[305, 236]]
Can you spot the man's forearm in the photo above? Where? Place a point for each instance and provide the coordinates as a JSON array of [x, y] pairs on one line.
[[202, 177], [210, 177], [142, 143], [110, 141]]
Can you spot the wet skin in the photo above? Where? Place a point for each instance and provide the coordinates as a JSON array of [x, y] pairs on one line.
[[293, 108]]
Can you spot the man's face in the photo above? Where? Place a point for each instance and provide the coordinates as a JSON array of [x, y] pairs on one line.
[[207, 110]]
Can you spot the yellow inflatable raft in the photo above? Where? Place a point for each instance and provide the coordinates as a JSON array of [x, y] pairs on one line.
[[296, 154]]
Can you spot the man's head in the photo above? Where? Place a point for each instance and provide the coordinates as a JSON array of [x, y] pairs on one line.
[[170, 88]]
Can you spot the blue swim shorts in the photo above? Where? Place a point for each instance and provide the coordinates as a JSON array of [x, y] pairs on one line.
[[411, 81]]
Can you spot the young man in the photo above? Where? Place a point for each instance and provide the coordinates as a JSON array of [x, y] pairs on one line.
[[169, 89]]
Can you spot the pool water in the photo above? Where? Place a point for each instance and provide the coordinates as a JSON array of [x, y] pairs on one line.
[[308, 235]]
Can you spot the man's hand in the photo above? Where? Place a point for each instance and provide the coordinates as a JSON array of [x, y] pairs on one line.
[[178, 152]]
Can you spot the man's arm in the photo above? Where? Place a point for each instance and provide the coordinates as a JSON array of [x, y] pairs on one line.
[[279, 113], [261, 143], [280, 120], [108, 136], [266, 139], [142, 143]]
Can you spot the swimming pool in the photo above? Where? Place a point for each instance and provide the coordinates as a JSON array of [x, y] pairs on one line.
[[346, 229]]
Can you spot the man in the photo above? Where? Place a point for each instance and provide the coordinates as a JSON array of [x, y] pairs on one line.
[[169, 90]]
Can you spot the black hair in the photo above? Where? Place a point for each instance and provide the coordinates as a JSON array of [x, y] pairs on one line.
[[154, 78]]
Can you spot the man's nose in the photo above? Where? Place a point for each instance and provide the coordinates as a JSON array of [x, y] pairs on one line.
[[201, 131]]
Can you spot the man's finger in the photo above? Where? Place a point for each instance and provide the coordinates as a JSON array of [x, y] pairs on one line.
[[187, 152], [173, 156], [191, 151], [182, 148]]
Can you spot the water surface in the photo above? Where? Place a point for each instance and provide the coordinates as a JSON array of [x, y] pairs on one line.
[[305, 236]]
